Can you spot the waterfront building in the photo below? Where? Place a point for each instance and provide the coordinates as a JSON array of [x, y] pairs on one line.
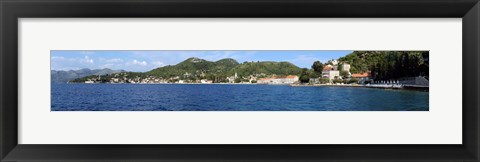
[[330, 72], [205, 81], [290, 79], [362, 77], [264, 80], [314, 80], [231, 79]]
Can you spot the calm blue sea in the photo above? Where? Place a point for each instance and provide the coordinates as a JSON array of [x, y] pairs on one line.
[[225, 97]]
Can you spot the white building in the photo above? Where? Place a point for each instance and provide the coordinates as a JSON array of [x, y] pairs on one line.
[[346, 67], [231, 79], [290, 79], [205, 81], [330, 72], [334, 62]]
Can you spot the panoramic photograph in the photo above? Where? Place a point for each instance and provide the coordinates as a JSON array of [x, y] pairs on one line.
[[239, 80]]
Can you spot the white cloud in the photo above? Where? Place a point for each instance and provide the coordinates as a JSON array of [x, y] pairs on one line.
[[87, 52], [58, 58], [158, 64], [305, 60], [87, 60], [217, 55], [114, 60], [141, 63], [65, 63]]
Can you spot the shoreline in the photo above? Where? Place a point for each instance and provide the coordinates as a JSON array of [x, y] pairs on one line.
[[182, 83], [384, 86], [377, 86]]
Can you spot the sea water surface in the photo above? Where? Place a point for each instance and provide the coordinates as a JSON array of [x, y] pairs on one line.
[[231, 97]]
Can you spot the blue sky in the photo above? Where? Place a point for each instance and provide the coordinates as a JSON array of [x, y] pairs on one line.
[[141, 61]]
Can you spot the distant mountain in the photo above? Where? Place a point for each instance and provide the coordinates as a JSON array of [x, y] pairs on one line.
[[61, 76]]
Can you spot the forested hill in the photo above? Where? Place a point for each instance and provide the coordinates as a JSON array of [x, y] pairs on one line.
[[267, 67], [195, 66], [224, 68], [388, 64]]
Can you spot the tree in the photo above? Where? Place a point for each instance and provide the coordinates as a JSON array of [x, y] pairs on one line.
[[329, 62], [344, 74], [353, 80], [337, 81], [324, 80], [238, 80], [314, 74], [304, 76], [387, 65], [317, 66]]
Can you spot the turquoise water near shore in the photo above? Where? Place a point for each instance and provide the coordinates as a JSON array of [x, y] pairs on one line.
[[231, 97]]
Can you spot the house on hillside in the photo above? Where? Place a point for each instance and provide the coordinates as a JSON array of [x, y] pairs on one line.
[[346, 67], [331, 72]]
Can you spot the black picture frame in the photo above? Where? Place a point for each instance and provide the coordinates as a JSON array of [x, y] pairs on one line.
[[11, 10]]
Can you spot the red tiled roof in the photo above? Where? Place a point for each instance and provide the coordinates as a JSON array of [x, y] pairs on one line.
[[279, 77], [361, 75], [328, 68]]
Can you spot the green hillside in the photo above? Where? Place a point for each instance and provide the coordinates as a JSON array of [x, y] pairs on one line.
[[386, 65], [196, 68], [268, 68]]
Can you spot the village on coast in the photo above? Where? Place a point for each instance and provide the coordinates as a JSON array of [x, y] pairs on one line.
[[389, 70], [331, 75]]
